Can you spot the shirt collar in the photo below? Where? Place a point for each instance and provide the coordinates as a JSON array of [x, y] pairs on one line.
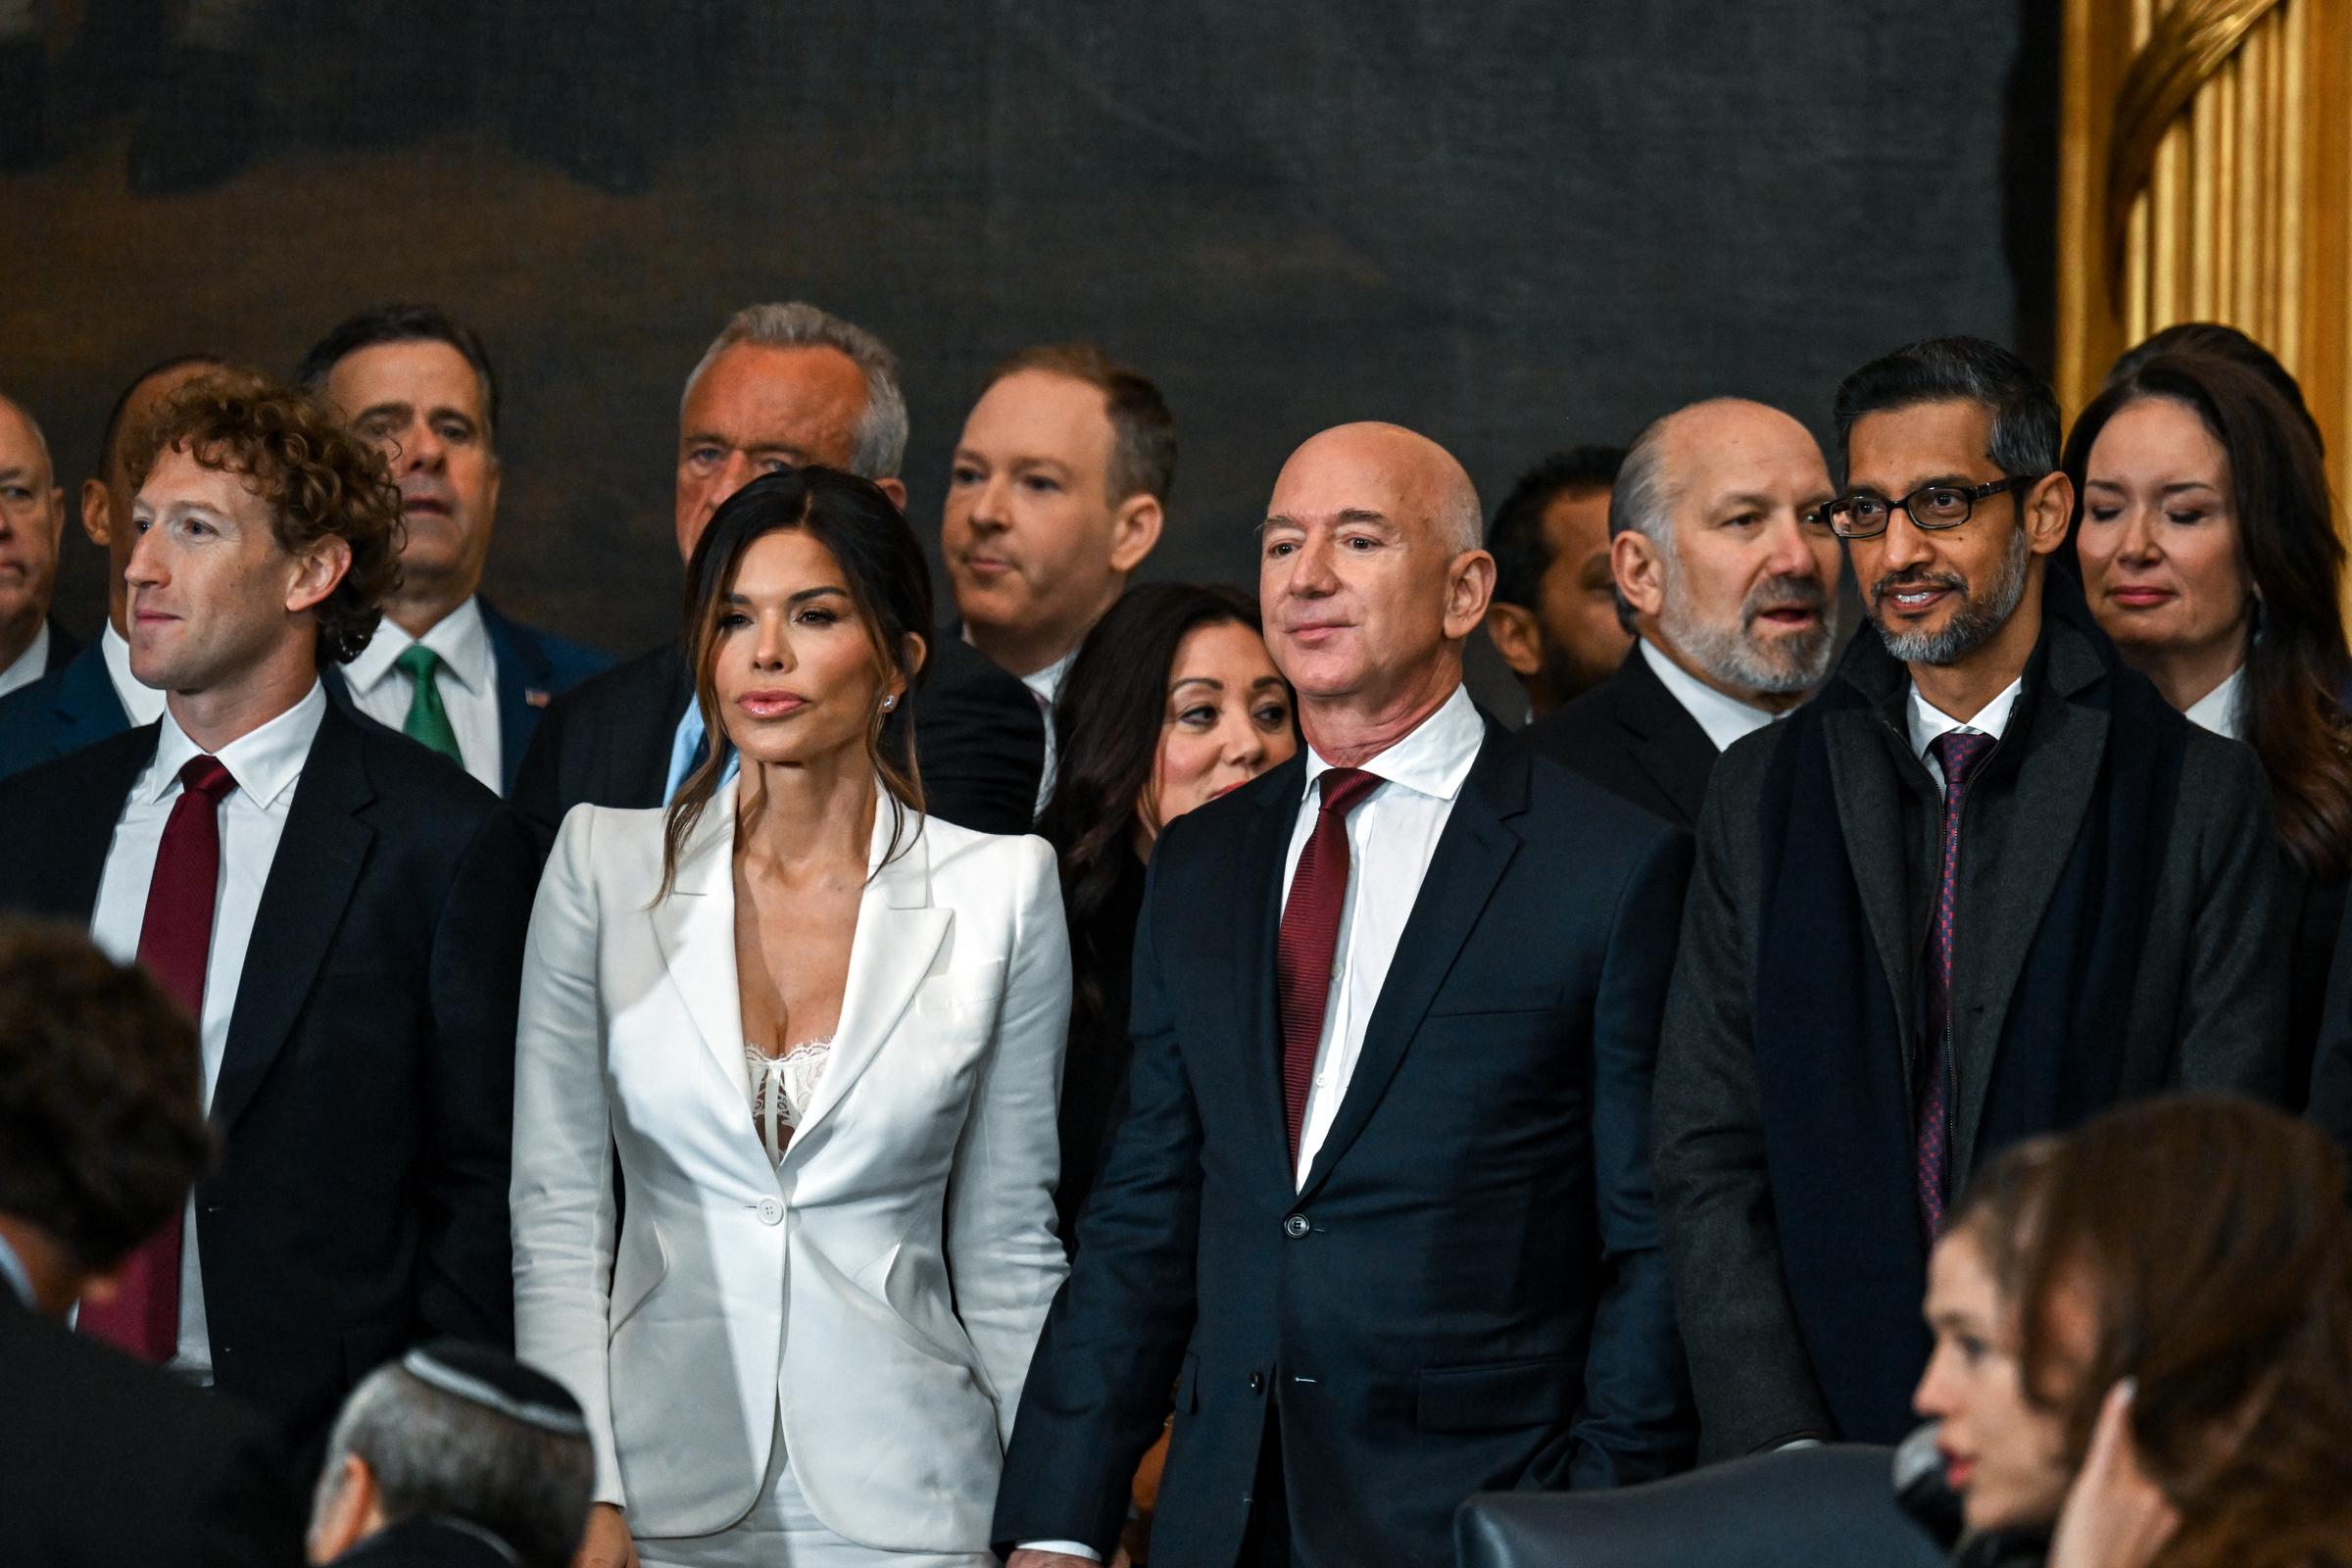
[[1047, 682], [2217, 709], [460, 638], [142, 704], [14, 1274], [1929, 723], [1724, 718], [1432, 759], [35, 656], [266, 763]]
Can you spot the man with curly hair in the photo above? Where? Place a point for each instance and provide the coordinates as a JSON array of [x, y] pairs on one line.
[[340, 910]]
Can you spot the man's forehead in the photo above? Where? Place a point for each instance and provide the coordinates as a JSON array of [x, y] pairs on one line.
[[179, 479], [1922, 439], [20, 447], [756, 394], [426, 373]]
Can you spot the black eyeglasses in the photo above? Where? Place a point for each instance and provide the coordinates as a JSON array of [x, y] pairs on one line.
[[1930, 505]]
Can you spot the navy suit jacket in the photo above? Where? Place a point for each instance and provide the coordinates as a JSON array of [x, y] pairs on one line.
[[1468, 1292], [75, 706]]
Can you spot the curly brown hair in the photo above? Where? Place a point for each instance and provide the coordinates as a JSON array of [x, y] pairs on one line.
[[102, 1126], [316, 478]]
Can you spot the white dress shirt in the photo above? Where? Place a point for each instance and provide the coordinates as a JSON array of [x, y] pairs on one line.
[[267, 765], [143, 704], [467, 680], [1929, 722], [2217, 709], [1392, 837], [1725, 718], [1045, 686], [29, 666]]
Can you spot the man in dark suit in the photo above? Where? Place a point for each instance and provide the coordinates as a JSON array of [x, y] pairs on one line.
[[101, 1130], [340, 909], [93, 695], [1555, 616], [1380, 1210], [1985, 883], [1729, 577], [786, 384], [446, 667], [33, 518]]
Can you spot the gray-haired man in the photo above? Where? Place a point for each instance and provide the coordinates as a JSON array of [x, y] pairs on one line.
[[453, 1456], [781, 385]]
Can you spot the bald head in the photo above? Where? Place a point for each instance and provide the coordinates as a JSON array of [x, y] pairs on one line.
[[1719, 564], [1369, 578], [32, 512]]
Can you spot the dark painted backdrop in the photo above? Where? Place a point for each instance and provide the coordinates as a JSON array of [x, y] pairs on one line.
[[1513, 225]]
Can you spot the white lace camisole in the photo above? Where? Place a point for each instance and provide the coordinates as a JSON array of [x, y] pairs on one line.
[[783, 1087]]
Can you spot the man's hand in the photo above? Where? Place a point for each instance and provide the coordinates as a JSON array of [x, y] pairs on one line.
[[1025, 1559], [2115, 1516], [607, 1543]]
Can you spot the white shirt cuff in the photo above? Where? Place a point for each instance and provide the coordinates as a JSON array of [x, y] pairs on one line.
[[1068, 1548]]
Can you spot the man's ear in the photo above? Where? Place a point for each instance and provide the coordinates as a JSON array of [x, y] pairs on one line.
[[1134, 530], [346, 1510], [893, 488], [912, 652], [1513, 631], [2049, 510], [1469, 589], [97, 513], [1640, 573], [318, 570]]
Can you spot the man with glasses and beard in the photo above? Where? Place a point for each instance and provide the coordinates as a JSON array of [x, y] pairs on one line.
[[1985, 883], [1726, 572]]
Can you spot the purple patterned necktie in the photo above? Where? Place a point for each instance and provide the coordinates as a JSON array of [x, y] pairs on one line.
[[1956, 752]]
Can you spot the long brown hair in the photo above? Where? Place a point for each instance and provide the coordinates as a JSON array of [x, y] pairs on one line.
[[2297, 661], [890, 588], [2210, 1238]]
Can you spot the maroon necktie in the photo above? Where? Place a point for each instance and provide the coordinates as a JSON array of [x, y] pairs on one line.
[[176, 939], [1956, 753], [1310, 935]]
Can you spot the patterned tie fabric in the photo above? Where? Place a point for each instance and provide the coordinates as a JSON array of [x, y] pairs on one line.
[[175, 941], [1956, 752], [1310, 935], [427, 720]]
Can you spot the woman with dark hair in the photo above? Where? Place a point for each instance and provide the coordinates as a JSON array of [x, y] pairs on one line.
[[814, 1037], [2208, 549], [2143, 1344], [1171, 702]]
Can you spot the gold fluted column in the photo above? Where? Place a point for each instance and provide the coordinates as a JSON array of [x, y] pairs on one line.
[[2206, 174]]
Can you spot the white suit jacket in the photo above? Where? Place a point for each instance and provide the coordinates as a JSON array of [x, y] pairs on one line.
[[887, 1282]]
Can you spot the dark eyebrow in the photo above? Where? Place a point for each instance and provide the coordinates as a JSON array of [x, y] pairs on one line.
[[1209, 681], [803, 597], [395, 409], [1265, 680], [1953, 481]]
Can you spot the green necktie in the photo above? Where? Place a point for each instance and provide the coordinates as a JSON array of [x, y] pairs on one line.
[[427, 720]]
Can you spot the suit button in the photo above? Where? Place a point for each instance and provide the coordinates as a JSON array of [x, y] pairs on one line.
[[1294, 1227], [1258, 1382], [771, 1211]]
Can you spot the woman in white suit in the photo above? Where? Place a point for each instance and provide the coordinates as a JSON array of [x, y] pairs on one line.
[[822, 1034]]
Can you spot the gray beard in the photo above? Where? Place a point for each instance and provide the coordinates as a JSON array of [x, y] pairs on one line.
[[1733, 658], [1973, 624]]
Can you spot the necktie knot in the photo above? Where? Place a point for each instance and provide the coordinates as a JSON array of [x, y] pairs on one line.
[[418, 661], [205, 776], [1956, 753], [1345, 789]]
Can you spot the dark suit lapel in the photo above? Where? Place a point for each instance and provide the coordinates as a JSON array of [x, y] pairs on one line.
[[2064, 745], [1669, 745], [1257, 927], [524, 673], [1471, 854], [87, 704], [319, 860], [1870, 812]]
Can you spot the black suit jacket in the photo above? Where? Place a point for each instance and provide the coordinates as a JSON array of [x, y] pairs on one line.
[[1633, 737], [105, 1462], [71, 707], [979, 737], [2210, 1013], [364, 1094], [1467, 1294]]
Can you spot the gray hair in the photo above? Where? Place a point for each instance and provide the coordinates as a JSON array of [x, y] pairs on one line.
[[798, 324], [437, 1452], [1641, 503], [41, 437]]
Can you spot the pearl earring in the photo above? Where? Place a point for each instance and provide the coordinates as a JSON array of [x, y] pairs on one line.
[[889, 702]]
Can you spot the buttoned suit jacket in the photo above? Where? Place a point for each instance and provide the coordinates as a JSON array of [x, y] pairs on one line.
[[1466, 1293], [881, 1288], [360, 1202], [2210, 1013]]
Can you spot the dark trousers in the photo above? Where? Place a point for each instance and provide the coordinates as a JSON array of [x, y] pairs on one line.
[[1266, 1540]]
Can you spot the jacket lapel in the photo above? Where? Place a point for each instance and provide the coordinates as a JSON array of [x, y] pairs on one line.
[[1668, 744], [1471, 854], [694, 928], [1258, 884], [899, 935], [319, 860], [1863, 771], [67, 856], [523, 668]]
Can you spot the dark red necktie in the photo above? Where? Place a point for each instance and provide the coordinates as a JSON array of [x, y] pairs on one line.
[[1956, 753], [1310, 935], [175, 941]]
